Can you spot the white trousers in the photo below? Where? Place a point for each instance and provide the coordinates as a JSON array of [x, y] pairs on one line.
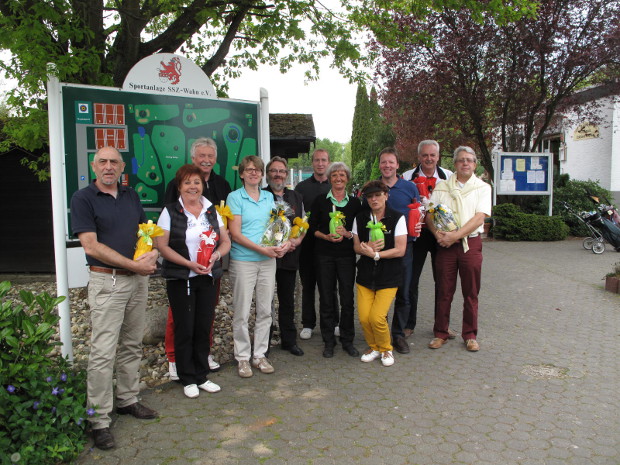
[[247, 277]]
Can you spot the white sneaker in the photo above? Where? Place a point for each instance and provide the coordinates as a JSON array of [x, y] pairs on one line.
[[387, 359], [337, 331], [191, 391], [306, 333], [244, 369], [263, 365], [370, 355], [209, 386], [172, 371], [213, 365]]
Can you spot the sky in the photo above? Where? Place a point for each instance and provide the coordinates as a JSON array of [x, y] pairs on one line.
[[330, 100]]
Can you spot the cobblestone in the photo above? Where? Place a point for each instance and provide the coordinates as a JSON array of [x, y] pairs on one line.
[[543, 390]]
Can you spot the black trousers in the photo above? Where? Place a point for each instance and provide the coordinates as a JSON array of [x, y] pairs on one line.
[[307, 276], [336, 272], [285, 280], [425, 244], [193, 308]]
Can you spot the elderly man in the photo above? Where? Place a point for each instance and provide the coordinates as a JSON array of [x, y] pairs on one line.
[[286, 271], [401, 194], [310, 189], [215, 188], [105, 217], [427, 169], [460, 251], [204, 156]]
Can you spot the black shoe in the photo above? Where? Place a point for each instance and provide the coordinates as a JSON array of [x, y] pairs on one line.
[[103, 439], [328, 352], [138, 410], [294, 349], [401, 346], [352, 351]]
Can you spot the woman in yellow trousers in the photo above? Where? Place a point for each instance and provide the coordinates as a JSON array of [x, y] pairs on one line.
[[379, 269]]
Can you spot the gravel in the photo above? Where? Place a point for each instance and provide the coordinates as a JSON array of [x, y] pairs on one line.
[[154, 366]]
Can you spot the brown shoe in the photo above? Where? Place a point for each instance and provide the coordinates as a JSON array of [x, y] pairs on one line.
[[138, 410], [436, 343], [103, 439], [472, 345], [452, 334], [408, 332], [401, 345]]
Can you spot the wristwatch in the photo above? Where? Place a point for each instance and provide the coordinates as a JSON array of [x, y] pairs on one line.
[[377, 257]]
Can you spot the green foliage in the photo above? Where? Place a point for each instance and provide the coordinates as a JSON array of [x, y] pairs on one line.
[[360, 137], [577, 195], [335, 149], [374, 172], [514, 225], [42, 398]]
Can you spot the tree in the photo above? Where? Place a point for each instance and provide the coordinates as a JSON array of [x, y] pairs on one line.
[[361, 133], [487, 83], [98, 41], [334, 148]]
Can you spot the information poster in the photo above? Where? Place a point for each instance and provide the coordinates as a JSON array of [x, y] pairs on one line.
[[523, 173], [154, 134]]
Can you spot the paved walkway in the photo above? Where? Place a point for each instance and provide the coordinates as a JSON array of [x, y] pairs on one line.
[[544, 388]]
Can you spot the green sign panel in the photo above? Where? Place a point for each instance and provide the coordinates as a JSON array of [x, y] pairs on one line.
[[154, 134]]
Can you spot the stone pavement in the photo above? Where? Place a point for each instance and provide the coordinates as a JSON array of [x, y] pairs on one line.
[[542, 390]]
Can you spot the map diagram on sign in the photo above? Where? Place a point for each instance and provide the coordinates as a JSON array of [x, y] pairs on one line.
[[154, 134]]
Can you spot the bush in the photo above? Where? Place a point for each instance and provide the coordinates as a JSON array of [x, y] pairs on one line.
[[576, 194], [42, 398], [514, 225]]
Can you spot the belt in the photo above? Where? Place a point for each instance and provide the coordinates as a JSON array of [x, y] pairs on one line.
[[112, 271]]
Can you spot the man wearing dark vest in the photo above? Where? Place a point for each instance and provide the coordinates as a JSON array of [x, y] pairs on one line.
[[428, 159]]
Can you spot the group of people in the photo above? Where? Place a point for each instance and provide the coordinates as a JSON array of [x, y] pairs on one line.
[[375, 227]]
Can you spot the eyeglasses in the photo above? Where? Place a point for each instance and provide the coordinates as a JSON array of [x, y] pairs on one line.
[[274, 171], [252, 170], [466, 160]]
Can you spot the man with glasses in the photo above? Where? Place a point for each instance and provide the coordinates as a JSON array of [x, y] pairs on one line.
[[286, 271], [460, 251]]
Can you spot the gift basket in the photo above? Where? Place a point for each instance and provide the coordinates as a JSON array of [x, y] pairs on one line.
[[146, 233], [208, 242], [443, 218], [278, 228]]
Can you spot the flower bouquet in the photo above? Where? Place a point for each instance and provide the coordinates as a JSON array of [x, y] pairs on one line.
[[225, 213], [278, 227], [377, 228], [146, 233], [208, 241], [300, 226], [336, 219], [443, 218]]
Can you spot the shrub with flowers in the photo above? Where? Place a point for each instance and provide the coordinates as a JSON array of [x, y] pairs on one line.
[[42, 398]]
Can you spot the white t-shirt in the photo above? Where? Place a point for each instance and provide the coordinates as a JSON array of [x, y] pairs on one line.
[[399, 230], [195, 227]]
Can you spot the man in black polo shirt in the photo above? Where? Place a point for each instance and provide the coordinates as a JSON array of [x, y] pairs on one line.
[[105, 217], [310, 189]]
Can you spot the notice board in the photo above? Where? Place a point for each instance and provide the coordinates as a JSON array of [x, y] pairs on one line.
[[523, 173]]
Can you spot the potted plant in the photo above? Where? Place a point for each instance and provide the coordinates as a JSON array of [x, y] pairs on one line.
[[612, 279]]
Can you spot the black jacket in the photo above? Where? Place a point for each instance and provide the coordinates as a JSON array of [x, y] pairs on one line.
[[217, 190]]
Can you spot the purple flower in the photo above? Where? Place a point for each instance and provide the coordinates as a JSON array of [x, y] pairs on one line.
[[80, 420], [63, 377], [48, 379], [36, 404], [11, 388], [90, 412], [53, 409], [55, 391], [61, 391]]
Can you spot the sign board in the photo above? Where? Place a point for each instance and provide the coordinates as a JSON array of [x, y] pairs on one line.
[[154, 134], [523, 173]]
